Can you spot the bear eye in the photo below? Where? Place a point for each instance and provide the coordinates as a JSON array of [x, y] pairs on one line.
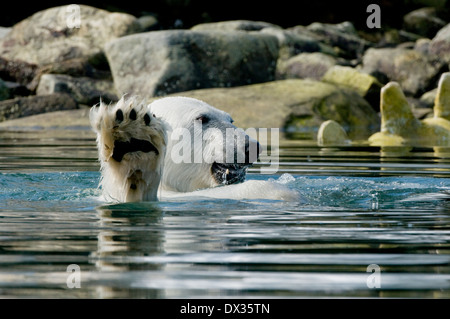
[[203, 118]]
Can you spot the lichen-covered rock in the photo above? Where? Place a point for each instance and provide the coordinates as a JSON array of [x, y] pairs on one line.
[[366, 85], [400, 127], [331, 133], [442, 100], [49, 36], [163, 62], [83, 89]]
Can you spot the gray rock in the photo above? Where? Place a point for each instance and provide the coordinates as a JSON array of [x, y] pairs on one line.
[[423, 21], [162, 62], [26, 106], [440, 44], [49, 36], [79, 67], [297, 40], [342, 36], [234, 25], [414, 71], [84, 90], [305, 65]]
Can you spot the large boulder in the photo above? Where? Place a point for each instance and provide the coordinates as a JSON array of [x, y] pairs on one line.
[[414, 71], [163, 62], [50, 35]]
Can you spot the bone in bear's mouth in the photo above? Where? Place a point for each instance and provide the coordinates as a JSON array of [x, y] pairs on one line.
[[133, 145]]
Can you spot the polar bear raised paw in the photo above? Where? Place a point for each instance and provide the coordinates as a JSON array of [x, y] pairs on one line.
[[131, 145]]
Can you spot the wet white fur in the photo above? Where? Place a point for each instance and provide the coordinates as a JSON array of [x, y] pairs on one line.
[[142, 169]]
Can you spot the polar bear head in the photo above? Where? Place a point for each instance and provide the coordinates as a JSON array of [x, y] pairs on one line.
[[204, 148]]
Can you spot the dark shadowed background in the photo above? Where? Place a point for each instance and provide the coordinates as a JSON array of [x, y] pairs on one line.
[[286, 13]]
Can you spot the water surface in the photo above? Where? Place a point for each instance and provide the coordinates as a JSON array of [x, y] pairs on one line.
[[357, 206]]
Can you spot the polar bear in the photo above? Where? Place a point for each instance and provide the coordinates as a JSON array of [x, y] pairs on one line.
[[180, 143]]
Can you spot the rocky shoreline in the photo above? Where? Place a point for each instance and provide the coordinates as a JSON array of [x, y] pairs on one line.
[[262, 74]]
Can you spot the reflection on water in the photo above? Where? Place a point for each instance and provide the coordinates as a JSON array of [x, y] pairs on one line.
[[359, 206]]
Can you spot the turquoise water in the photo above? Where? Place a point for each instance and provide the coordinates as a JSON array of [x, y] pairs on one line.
[[357, 206]]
